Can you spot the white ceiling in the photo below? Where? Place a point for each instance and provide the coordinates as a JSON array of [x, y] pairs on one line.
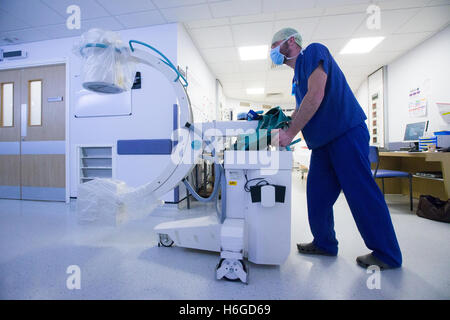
[[219, 27]]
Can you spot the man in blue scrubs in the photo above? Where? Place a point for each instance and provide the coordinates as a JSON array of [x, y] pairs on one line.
[[333, 125]]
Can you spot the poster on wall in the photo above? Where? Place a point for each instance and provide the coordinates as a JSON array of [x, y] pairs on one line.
[[374, 121], [375, 110], [417, 103]]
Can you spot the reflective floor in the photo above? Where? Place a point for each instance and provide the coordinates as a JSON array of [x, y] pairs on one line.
[[40, 240]]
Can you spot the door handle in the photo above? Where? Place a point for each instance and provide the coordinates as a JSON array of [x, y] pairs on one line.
[[23, 120]]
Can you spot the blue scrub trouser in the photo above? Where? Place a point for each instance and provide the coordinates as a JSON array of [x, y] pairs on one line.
[[343, 164]]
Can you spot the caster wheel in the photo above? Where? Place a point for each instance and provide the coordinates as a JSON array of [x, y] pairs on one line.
[[230, 265], [165, 241]]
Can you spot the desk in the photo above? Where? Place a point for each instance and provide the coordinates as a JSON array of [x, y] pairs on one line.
[[417, 162]]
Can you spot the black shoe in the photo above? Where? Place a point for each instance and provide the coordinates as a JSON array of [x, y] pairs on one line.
[[370, 260], [310, 248]]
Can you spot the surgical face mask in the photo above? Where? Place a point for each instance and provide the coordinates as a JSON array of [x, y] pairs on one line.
[[277, 57]]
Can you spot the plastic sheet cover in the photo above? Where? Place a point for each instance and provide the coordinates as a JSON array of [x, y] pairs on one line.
[[106, 62], [112, 202]]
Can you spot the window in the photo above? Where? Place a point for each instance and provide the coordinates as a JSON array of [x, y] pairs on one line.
[[35, 102], [7, 104]]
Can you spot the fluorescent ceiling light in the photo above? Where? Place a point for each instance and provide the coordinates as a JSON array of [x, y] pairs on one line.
[[255, 91], [253, 52], [361, 45]]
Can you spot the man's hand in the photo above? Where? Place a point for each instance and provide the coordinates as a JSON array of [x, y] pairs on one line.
[[285, 137]]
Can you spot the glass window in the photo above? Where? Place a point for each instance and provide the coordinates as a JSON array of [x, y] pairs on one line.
[[35, 102], [7, 105]]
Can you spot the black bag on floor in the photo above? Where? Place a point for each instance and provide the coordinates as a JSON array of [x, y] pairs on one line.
[[434, 209]]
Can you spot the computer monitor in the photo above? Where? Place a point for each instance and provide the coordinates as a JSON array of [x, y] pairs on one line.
[[415, 130]]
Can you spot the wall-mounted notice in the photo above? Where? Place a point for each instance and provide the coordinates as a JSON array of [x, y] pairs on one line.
[[417, 103]]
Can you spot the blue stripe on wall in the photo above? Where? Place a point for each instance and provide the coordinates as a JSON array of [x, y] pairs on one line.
[[145, 146]]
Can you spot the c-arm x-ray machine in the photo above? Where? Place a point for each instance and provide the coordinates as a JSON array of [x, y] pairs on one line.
[[253, 217]]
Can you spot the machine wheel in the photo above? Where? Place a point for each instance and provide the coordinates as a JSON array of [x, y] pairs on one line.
[[165, 240], [232, 276]]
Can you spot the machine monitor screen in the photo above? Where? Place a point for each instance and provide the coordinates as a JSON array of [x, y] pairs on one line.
[[415, 130]]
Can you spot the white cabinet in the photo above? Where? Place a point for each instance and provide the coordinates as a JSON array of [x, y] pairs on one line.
[[95, 162]]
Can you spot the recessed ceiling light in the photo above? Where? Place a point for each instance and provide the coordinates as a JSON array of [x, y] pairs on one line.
[[255, 91], [361, 45], [253, 52]]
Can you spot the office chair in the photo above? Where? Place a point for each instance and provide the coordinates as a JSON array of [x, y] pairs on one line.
[[374, 157]]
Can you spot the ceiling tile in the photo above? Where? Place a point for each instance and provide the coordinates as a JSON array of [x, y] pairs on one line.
[[333, 45], [361, 60], [331, 3], [391, 20], [116, 7], [402, 42], [213, 37], [60, 31], [265, 17], [233, 8], [34, 13], [252, 33], [162, 4], [225, 67], [191, 13], [286, 5], [9, 22], [428, 19], [254, 76], [107, 23], [227, 54], [254, 66], [401, 4], [340, 26], [207, 23], [295, 14], [356, 8], [305, 26], [437, 2], [26, 35], [89, 9], [141, 19]]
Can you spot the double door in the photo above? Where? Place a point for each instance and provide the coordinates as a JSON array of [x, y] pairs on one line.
[[32, 133]]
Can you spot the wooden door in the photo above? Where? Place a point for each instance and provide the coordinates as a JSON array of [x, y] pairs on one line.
[[40, 131], [10, 86]]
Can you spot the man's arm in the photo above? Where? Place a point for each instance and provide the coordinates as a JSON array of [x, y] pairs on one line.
[[311, 101]]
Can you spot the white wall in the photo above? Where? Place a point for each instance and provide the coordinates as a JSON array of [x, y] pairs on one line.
[[146, 122], [362, 95], [428, 67], [202, 82]]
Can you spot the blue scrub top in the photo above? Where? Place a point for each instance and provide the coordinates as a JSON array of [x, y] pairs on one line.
[[339, 110]]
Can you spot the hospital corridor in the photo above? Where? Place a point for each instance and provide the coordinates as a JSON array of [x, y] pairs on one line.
[[224, 158]]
